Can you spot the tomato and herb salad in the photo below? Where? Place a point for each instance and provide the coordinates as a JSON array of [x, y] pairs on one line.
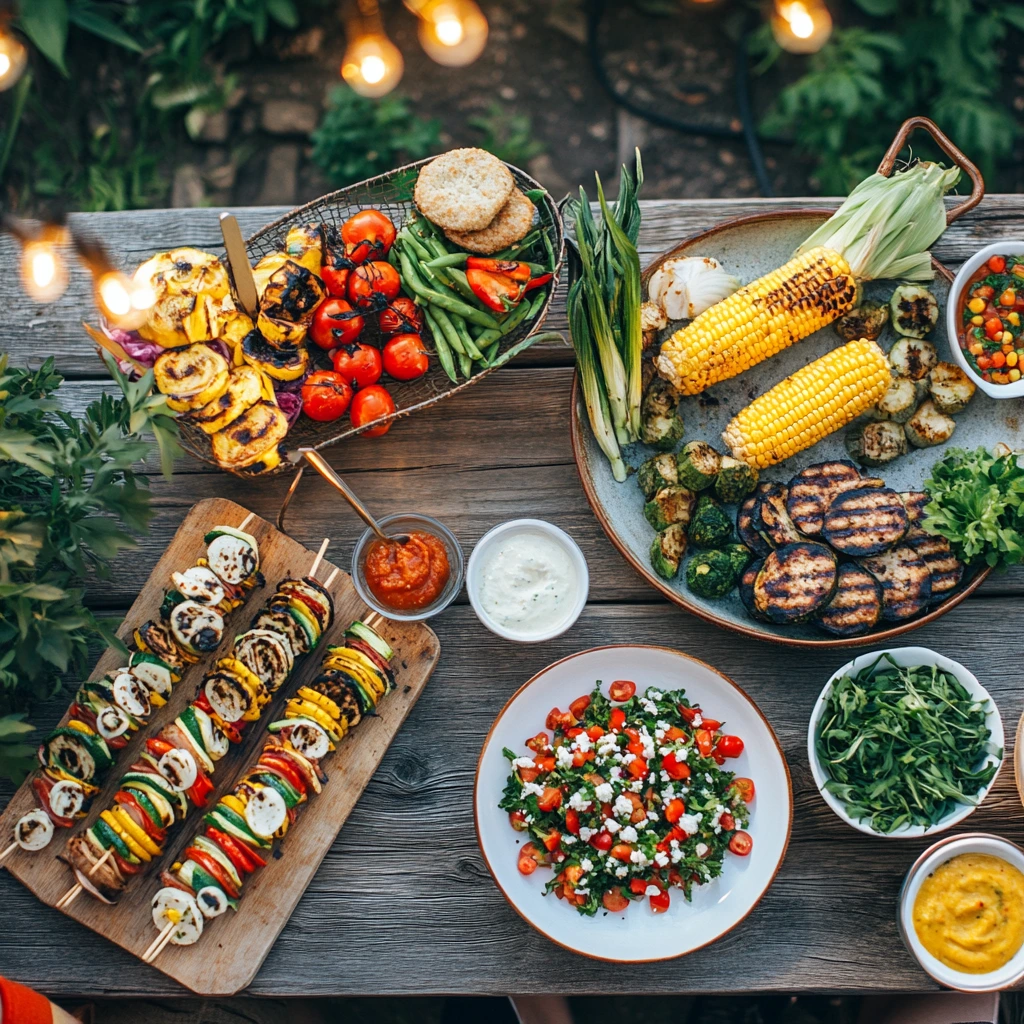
[[627, 797], [992, 306]]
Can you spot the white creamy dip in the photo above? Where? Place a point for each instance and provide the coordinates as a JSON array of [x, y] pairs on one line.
[[528, 583]]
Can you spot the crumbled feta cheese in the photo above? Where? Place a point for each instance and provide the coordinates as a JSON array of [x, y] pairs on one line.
[[659, 734], [652, 815], [677, 855], [697, 720], [611, 825], [616, 773], [664, 776], [528, 819], [587, 864], [639, 858], [689, 823], [662, 725], [649, 706], [531, 787], [663, 750], [701, 849], [523, 762], [652, 778], [668, 792], [627, 757], [628, 834], [637, 786], [582, 892], [621, 872], [568, 840], [582, 742], [579, 801], [607, 744], [641, 825], [652, 890], [648, 741], [586, 833], [622, 808], [655, 694], [661, 859], [564, 757], [604, 792]]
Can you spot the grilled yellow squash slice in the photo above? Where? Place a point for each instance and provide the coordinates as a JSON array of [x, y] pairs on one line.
[[260, 428], [305, 245], [190, 376], [289, 295], [244, 390], [287, 364]]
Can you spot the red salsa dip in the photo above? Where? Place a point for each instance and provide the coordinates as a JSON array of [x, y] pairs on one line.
[[407, 577], [991, 312]]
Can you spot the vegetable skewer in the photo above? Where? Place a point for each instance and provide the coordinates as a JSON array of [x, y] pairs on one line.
[[355, 676], [173, 775], [76, 757]]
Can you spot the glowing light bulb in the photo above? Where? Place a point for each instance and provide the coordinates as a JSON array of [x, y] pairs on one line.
[[452, 32], [13, 58], [372, 64], [801, 26], [43, 271], [119, 300]]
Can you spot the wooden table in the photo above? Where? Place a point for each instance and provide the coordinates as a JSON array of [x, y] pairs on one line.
[[403, 903]]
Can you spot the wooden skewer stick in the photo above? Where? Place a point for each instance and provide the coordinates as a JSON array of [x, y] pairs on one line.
[[319, 557], [245, 522], [75, 891], [157, 945], [330, 579], [6, 853]]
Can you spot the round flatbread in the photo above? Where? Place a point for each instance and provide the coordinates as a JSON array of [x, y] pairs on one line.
[[463, 190], [513, 222]]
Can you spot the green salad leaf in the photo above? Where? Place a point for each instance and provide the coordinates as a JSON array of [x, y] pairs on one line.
[[977, 504], [904, 746]]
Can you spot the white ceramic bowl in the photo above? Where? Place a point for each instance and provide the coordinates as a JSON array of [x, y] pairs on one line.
[[945, 849], [504, 530], [1011, 247], [907, 657], [638, 936]]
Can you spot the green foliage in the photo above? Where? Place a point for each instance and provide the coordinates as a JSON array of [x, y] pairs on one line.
[[941, 58], [70, 500], [507, 135], [360, 137]]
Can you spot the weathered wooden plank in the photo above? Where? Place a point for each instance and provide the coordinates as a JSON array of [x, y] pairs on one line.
[[404, 904], [32, 331]]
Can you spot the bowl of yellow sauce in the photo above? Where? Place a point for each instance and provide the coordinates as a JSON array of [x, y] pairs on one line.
[[961, 912]]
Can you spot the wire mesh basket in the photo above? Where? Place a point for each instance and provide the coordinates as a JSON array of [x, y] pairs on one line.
[[391, 193]]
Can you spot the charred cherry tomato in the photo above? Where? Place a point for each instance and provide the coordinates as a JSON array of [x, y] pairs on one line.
[[360, 364], [403, 316], [614, 901], [601, 840], [336, 323], [638, 768], [405, 358], [528, 774], [621, 690], [677, 770], [638, 886], [368, 235], [373, 285], [528, 859], [674, 810], [551, 840], [741, 844], [660, 903], [539, 743], [572, 822], [743, 788], [729, 746], [621, 851], [580, 705], [559, 720], [335, 280], [325, 395], [550, 799], [727, 821], [371, 404], [705, 742]]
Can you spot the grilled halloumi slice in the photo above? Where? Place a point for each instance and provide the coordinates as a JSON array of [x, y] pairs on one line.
[[866, 521], [260, 428], [946, 569], [795, 581], [812, 490], [905, 579], [856, 605]]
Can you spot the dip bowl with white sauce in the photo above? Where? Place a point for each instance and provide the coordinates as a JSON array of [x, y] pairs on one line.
[[527, 581]]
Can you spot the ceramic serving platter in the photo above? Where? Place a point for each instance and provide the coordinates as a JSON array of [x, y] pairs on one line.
[[750, 247], [638, 936]]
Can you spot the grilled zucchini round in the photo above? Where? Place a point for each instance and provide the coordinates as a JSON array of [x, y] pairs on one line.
[[866, 521], [245, 441], [856, 605], [190, 376], [795, 581], [244, 389]]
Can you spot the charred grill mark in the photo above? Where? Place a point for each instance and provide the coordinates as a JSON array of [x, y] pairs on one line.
[[795, 581], [865, 521], [905, 580], [813, 489], [914, 502], [945, 569]]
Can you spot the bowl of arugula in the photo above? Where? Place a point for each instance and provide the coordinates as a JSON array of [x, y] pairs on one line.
[[904, 743]]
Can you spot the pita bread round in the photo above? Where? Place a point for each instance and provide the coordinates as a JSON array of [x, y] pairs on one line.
[[463, 190]]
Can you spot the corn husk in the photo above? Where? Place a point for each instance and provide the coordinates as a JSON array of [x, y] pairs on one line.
[[886, 225]]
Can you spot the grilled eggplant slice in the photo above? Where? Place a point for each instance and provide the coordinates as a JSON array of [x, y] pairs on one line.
[[856, 606], [813, 489], [914, 502], [259, 429], [746, 589], [244, 390], [915, 310], [281, 365], [771, 520], [190, 376], [929, 427], [866, 521], [906, 582], [946, 569], [745, 522], [795, 581]]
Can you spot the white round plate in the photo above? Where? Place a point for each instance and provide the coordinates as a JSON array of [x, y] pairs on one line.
[[638, 935]]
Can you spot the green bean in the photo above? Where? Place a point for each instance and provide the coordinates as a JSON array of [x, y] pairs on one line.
[[550, 250], [454, 259], [466, 365], [448, 302], [421, 252], [492, 351], [468, 345], [510, 323], [536, 194], [444, 353], [520, 246], [448, 329], [461, 284]]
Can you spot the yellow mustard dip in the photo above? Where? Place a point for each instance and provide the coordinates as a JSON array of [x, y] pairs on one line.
[[969, 913]]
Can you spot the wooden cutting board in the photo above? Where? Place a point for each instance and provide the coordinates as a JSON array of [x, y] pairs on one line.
[[234, 945]]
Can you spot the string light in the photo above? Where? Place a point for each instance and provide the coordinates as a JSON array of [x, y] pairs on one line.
[[44, 273], [801, 26], [122, 301], [13, 58], [372, 64], [452, 32]]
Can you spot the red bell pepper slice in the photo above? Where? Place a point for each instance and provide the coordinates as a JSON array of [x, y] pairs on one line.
[[238, 853], [286, 767], [213, 869], [201, 790], [518, 272], [537, 282], [124, 867], [201, 702], [158, 747], [498, 292]]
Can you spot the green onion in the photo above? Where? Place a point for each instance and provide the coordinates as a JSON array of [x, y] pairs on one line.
[[886, 225]]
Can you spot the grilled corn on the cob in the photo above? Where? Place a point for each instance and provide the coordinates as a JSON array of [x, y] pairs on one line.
[[759, 320], [815, 401]]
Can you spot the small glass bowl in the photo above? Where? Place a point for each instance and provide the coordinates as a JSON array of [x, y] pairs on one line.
[[408, 522]]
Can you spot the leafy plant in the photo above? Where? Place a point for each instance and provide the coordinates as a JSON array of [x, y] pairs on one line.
[[936, 57], [360, 137], [509, 136], [70, 500]]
